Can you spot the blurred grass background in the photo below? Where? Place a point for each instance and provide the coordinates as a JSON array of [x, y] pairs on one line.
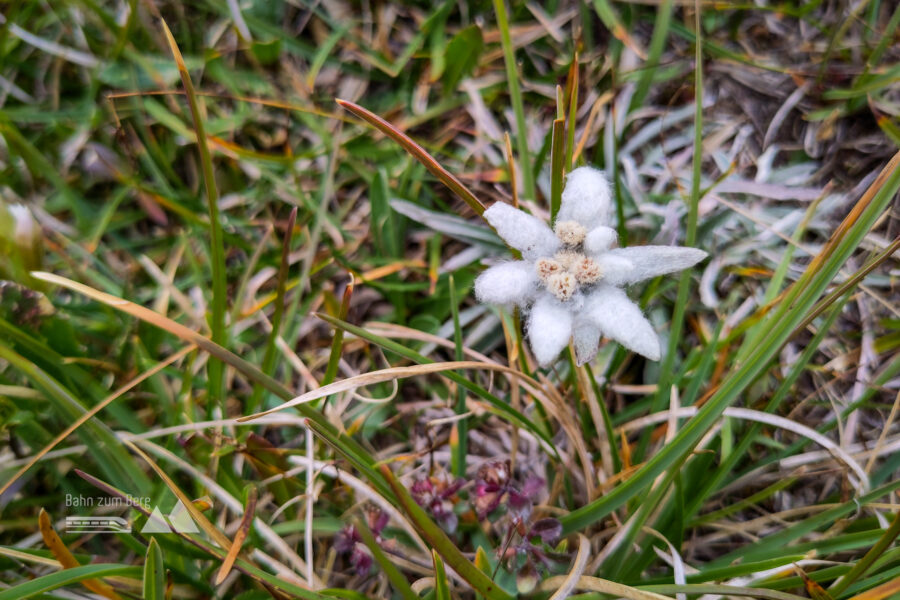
[[772, 161]]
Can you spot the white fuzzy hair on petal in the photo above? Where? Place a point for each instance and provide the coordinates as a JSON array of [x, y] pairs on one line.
[[600, 239], [507, 283], [586, 198], [614, 268], [610, 309], [549, 329], [650, 261], [586, 339], [526, 233]]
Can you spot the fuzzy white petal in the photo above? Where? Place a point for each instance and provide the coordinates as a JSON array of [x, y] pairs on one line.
[[615, 269], [586, 339], [522, 231], [600, 239], [610, 309], [586, 198], [549, 328], [650, 261], [506, 283]]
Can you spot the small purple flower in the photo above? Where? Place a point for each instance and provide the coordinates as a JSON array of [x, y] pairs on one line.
[[436, 494], [532, 546], [494, 482], [348, 541], [548, 530]]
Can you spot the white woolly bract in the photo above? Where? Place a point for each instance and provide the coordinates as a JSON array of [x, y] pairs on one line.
[[549, 328], [651, 261], [586, 198], [507, 283], [526, 233], [586, 339], [610, 309], [600, 239]]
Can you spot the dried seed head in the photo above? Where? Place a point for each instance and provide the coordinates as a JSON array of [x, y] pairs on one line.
[[546, 267], [570, 233], [586, 270], [562, 285]]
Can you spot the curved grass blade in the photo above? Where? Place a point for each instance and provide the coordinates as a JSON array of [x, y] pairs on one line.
[[362, 459], [500, 408], [93, 411], [53, 581], [381, 376], [99, 438], [418, 152]]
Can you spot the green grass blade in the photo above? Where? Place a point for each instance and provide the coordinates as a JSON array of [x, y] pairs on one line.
[[154, 573], [863, 564], [459, 438], [216, 388], [53, 581], [441, 585], [268, 362], [397, 579], [557, 165], [515, 95], [657, 45], [337, 342]]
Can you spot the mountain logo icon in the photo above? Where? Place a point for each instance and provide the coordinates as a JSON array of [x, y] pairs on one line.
[[177, 521]]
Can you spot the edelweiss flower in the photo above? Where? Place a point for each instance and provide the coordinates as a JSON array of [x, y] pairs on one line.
[[571, 277]]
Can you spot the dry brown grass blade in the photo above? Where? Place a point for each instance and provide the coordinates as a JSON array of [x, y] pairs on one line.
[[857, 210], [571, 580], [65, 558], [199, 518], [603, 586], [879, 592], [352, 383], [93, 411], [157, 320], [813, 589], [236, 98], [422, 155], [511, 163], [239, 537]]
